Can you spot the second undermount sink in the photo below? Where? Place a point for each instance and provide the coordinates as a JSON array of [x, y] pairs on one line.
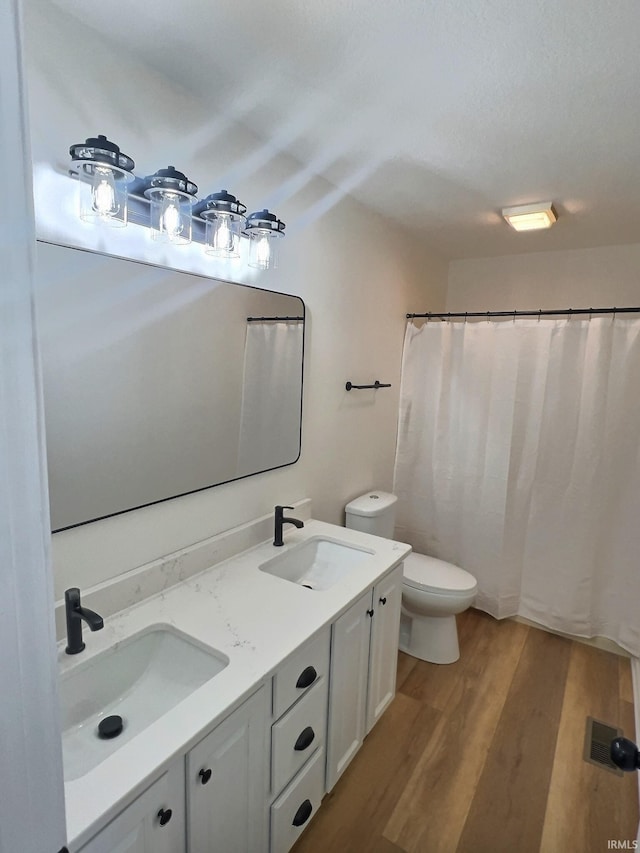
[[318, 563], [137, 680]]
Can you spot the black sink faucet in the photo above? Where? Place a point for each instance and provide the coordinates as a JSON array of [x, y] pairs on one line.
[[280, 521], [75, 615]]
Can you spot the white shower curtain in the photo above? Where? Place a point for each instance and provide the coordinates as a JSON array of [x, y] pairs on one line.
[[518, 459], [272, 385]]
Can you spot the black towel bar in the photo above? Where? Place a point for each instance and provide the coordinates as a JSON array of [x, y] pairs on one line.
[[377, 384]]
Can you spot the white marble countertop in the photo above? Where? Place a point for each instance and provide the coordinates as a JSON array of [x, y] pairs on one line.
[[255, 619]]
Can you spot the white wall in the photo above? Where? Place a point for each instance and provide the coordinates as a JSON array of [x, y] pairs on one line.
[[357, 274], [603, 277], [32, 818]]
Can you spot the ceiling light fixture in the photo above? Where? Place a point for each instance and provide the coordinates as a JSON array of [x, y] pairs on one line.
[[166, 202], [530, 217]]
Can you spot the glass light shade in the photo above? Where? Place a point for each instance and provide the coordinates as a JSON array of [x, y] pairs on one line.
[[263, 230], [223, 236], [171, 219], [263, 249], [102, 194]]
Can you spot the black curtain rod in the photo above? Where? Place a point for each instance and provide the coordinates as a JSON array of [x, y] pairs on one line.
[[262, 319], [570, 311]]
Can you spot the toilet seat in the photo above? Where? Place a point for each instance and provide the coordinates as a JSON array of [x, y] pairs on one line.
[[437, 576]]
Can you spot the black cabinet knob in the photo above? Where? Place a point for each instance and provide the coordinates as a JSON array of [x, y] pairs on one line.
[[164, 816], [383, 601], [306, 677], [370, 613], [303, 814], [205, 775], [305, 739]]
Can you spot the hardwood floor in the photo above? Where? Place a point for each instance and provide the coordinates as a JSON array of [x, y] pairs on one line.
[[485, 755]]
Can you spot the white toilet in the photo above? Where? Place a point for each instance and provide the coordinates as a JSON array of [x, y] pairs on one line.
[[433, 591]]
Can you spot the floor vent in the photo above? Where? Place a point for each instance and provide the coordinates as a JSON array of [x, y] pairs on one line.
[[597, 743]]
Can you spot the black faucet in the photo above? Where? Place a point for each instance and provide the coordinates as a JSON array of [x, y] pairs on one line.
[[75, 615], [280, 521]]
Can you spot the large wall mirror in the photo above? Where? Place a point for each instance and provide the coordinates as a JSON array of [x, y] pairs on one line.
[[159, 383]]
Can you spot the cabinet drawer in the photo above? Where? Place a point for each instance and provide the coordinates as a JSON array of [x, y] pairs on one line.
[[292, 811], [298, 734], [300, 671]]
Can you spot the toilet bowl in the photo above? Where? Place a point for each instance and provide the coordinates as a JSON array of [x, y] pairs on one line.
[[433, 591]]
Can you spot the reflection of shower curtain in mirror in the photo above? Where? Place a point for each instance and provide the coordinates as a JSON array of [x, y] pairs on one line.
[[272, 385]]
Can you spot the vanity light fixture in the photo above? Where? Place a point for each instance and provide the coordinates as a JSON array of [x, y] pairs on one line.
[[530, 217], [263, 229], [166, 202], [103, 172], [224, 216], [171, 195]]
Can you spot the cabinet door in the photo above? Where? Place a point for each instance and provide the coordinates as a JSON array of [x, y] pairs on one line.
[[227, 776], [383, 656], [153, 823], [348, 687]]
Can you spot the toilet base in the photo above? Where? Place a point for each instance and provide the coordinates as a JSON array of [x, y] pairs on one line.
[[430, 638]]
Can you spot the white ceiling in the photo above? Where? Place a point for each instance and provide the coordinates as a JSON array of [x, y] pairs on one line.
[[436, 113]]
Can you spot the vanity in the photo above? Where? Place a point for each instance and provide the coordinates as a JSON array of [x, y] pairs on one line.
[[233, 681], [245, 689]]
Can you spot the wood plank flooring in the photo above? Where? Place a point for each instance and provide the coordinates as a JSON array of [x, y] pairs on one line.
[[485, 755]]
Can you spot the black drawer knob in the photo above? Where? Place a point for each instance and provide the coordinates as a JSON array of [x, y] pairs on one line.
[[383, 601], [305, 739], [164, 816], [205, 775], [303, 814], [306, 677], [370, 613]]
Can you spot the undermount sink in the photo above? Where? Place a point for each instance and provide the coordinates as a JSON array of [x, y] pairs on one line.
[[138, 680], [317, 564]]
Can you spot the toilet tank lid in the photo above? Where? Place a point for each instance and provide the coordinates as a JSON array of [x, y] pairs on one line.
[[371, 504]]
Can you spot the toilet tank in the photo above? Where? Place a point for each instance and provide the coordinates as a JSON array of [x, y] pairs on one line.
[[373, 513]]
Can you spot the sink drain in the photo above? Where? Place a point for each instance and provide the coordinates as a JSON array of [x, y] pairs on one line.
[[110, 726], [306, 585]]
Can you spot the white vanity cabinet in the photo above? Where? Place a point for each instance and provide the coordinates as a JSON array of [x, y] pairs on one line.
[[227, 783], [252, 781], [153, 823], [364, 656]]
